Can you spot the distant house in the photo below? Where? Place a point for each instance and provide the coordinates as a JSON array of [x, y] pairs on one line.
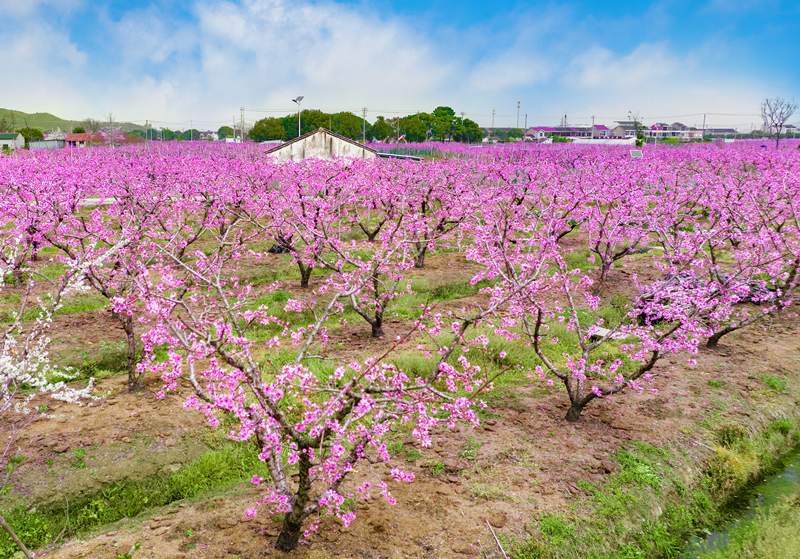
[[78, 140], [663, 131], [209, 135], [625, 129], [321, 144], [540, 133], [601, 131], [12, 140]]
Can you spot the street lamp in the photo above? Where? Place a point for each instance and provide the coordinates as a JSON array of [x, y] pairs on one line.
[[299, 98]]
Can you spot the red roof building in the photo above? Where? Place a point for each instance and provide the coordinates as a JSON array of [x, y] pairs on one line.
[[78, 140]]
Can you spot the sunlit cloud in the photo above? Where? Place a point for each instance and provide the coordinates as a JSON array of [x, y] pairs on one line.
[[204, 62]]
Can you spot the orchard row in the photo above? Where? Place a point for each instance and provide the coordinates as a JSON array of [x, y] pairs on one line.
[[169, 235]]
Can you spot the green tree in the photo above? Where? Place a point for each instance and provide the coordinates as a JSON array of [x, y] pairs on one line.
[[349, 126], [267, 129], [31, 134], [381, 129], [500, 133], [468, 131], [414, 128], [443, 123], [79, 130], [225, 132], [640, 138], [312, 119]]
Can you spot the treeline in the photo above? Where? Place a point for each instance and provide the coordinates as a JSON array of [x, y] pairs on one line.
[[442, 125]]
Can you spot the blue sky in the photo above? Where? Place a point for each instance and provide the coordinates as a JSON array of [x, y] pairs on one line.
[[175, 62]]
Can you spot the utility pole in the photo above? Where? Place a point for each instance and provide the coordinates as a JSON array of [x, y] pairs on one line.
[[241, 132], [526, 121], [592, 128], [297, 100], [704, 126], [518, 102], [493, 111], [191, 130], [363, 125]]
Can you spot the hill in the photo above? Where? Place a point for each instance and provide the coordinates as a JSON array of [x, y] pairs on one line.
[[49, 122]]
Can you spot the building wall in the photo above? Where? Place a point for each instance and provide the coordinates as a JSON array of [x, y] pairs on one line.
[[47, 144], [321, 146], [17, 143]]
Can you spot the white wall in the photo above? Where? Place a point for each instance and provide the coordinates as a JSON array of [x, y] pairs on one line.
[[321, 145]]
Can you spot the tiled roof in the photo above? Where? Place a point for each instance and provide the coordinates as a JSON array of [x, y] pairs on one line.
[[9, 136], [79, 137]]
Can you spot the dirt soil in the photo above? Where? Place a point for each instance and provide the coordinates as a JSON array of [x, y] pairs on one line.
[[524, 461]]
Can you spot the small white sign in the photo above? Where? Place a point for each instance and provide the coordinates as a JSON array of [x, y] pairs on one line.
[[636, 154]]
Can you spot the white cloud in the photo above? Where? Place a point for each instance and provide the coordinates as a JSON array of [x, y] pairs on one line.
[[343, 56], [599, 67], [335, 55], [144, 36], [26, 8], [46, 66]]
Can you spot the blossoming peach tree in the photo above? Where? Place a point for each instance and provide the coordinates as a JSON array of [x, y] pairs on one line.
[[312, 425]]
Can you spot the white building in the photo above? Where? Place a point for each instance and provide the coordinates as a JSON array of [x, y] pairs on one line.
[[321, 144], [12, 140]]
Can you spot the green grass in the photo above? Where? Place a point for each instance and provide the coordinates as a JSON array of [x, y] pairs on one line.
[[659, 496], [82, 303], [778, 384], [556, 529], [217, 469], [772, 534]]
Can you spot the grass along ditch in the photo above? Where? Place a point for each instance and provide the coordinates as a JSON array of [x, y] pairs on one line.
[[765, 519], [669, 503], [39, 526]]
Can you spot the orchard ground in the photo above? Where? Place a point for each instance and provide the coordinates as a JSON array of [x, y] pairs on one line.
[[524, 478]]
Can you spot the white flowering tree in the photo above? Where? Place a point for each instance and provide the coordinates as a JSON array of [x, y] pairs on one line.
[[25, 369]]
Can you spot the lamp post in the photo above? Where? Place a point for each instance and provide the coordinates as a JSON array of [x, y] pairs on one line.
[[299, 98]]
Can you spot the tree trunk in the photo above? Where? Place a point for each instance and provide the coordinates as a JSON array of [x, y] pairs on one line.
[[604, 270], [293, 521], [134, 380], [305, 274], [290, 535], [377, 327], [574, 412], [14, 537], [713, 341], [419, 260]]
